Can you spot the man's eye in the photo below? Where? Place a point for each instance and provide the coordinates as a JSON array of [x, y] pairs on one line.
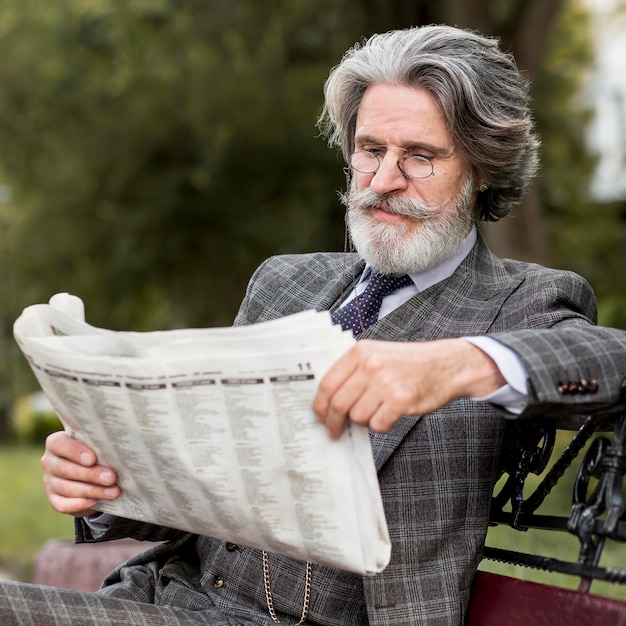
[[419, 156]]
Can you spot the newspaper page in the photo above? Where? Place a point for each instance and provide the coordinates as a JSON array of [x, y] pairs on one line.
[[212, 431]]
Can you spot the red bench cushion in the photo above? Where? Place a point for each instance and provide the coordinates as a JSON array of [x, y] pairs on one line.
[[503, 601]]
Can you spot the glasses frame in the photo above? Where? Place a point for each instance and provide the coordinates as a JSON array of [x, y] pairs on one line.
[[400, 162]]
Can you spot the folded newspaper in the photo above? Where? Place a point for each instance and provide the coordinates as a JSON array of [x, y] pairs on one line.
[[212, 431]]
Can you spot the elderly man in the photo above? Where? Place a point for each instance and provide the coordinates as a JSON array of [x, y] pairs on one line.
[[435, 126]]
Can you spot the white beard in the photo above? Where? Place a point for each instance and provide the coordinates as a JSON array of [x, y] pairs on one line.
[[392, 248]]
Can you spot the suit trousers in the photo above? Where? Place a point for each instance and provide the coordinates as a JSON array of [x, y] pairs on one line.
[[24, 604]]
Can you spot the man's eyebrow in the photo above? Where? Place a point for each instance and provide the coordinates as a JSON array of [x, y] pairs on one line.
[[409, 146]]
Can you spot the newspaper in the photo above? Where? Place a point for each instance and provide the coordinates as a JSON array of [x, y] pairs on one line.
[[212, 431]]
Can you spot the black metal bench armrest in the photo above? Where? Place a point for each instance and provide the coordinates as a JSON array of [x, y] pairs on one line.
[[598, 509]]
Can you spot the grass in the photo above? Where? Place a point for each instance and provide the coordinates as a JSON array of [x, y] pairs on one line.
[[27, 522]]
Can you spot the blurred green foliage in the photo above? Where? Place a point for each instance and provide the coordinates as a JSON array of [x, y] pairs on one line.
[[586, 236], [34, 419], [27, 521], [157, 151]]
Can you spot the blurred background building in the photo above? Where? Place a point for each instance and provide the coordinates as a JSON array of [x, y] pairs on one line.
[[606, 91]]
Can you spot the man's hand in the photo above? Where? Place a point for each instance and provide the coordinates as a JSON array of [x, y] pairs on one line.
[[377, 382], [74, 481]]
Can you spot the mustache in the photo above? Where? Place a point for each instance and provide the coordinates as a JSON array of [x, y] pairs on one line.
[[396, 205]]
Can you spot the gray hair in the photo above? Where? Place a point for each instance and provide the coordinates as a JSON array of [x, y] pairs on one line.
[[479, 90]]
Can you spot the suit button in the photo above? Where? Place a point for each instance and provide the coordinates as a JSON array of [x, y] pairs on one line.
[[231, 547], [218, 582], [593, 386]]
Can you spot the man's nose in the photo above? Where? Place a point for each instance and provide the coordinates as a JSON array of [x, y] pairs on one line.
[[389, 178]]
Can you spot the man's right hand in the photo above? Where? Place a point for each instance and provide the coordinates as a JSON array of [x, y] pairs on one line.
[[73, 479]]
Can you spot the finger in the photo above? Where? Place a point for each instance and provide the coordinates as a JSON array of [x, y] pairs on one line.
[[60, 444], [396, 401], [56, 485], [365, 406], [73, 506], [333, 380], [383, 419], [330, 383], [76, 498], [350, 402], [59, 467], [73, 480]]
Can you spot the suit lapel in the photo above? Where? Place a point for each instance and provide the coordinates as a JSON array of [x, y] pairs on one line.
[[384, 444], [328, 279]]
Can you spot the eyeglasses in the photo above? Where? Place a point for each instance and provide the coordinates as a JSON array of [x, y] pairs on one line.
[[411, 166]]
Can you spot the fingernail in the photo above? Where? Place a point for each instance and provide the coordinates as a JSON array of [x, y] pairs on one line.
[[106, 476], [86, 458], [110, 492]]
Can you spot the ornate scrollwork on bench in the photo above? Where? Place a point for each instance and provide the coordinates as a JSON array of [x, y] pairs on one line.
[[598, 510]]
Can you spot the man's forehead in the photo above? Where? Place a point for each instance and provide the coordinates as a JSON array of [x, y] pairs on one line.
[[407, 117]]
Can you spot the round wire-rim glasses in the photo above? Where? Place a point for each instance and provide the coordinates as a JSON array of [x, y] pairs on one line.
[[412, 166]]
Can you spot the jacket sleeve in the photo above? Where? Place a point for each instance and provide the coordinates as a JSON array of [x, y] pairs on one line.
[[122, 528], [571, 368]]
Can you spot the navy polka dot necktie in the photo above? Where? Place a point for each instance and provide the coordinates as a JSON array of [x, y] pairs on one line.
[[363, 310]]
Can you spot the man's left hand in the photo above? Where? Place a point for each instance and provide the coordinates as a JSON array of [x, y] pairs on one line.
[[375, 383]]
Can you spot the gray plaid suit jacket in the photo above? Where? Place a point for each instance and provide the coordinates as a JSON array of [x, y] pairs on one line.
[[436, 472]]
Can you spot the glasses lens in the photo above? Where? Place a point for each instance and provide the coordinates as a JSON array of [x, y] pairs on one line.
[[417, 167], [364, 162]]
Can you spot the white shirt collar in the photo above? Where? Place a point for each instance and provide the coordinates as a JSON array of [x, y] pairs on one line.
[[441, 271], [446, 268], [422, 280]]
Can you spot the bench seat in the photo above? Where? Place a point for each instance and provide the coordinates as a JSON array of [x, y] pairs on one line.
[[498, 600]]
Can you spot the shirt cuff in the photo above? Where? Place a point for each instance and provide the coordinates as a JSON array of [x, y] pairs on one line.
[[513, 396]]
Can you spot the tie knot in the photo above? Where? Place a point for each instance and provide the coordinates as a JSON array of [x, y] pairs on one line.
[[363, 311], [381, 285]]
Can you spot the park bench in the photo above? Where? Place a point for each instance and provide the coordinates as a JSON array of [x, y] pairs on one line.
[[597, 515], [63, 563], [597, 518]]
